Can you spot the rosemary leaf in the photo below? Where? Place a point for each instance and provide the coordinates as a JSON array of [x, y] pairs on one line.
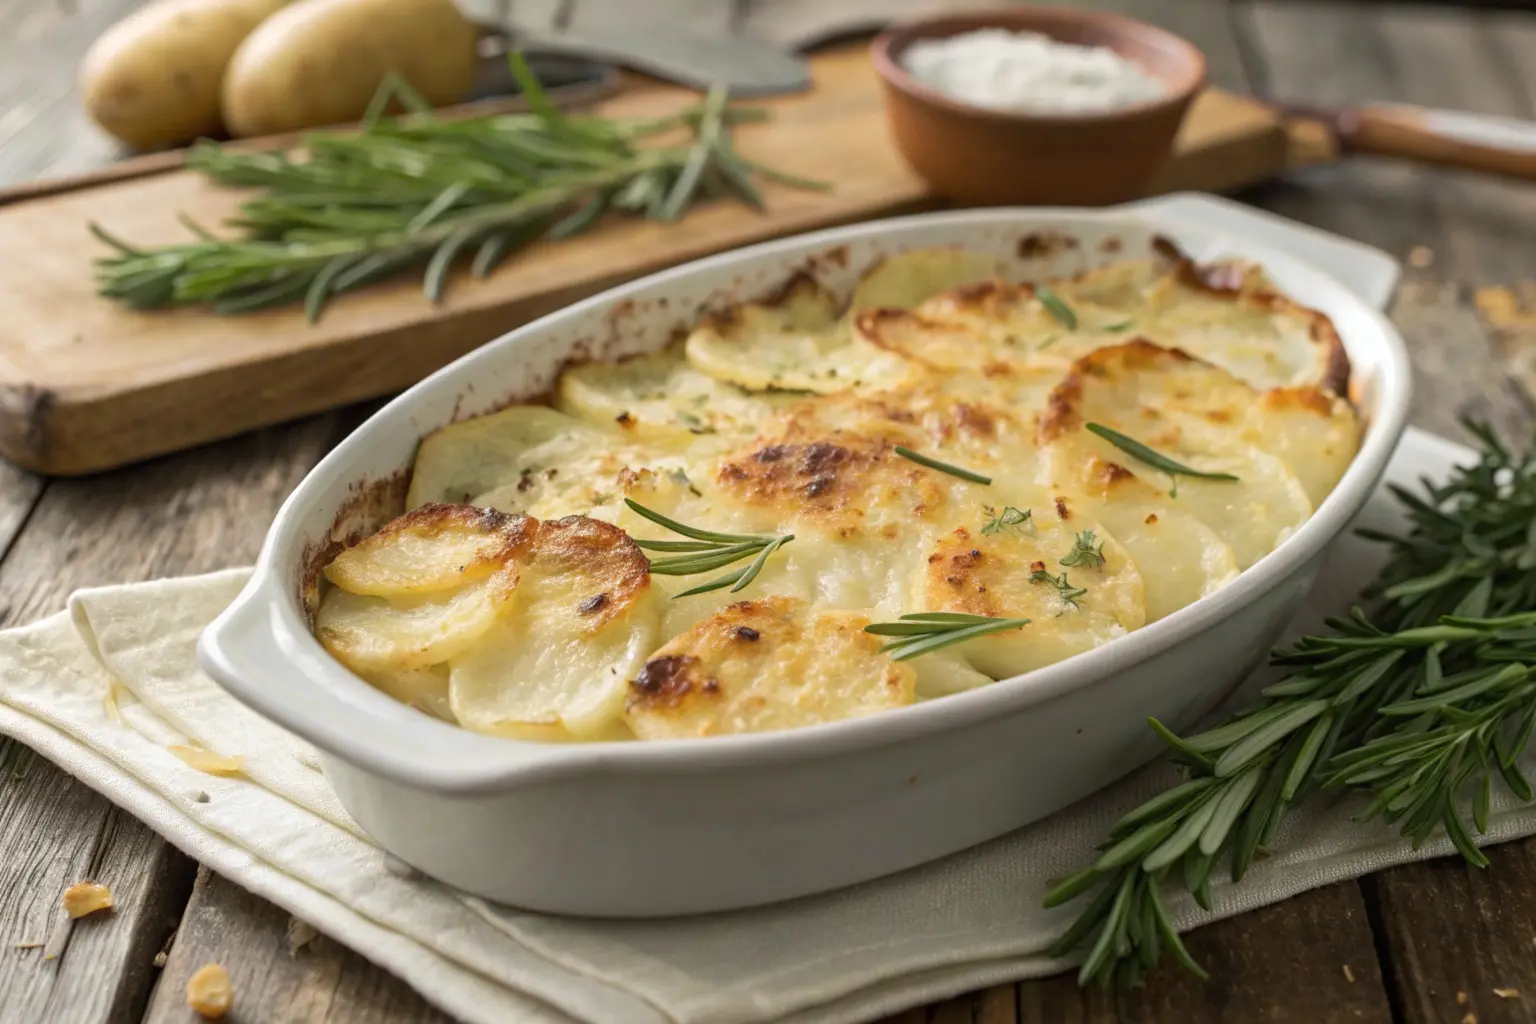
[[1141, 453], [1056, 306], [942, 467]]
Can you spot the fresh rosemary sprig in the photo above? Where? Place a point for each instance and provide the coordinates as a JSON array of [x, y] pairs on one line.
[[1085, 552], [1056, 306], [707, 550], [1065, 590], [1141, 453], [1418, 706], [356, 207], [942, 467], [922, 632], [1008, 518]]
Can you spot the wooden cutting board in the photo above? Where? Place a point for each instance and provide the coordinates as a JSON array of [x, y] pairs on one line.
[[86, 384]]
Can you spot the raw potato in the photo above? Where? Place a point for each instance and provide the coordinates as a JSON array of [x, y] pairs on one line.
[[153, 78], [320, 62]]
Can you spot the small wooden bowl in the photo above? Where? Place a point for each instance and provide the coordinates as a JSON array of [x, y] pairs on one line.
[[1003, 158]]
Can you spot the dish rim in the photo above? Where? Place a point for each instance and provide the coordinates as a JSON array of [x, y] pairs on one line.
[[341, 714]]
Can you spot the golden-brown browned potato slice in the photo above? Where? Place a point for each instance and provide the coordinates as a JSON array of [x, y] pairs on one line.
[[763, 665], [1180, 558], [1266, 340], [430, 549], [1017, 571], [1166, 401], [368, 633], [555, 664]]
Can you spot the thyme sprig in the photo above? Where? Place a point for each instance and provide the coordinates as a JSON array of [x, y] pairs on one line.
[[1151, 457], [355, 207], [1064, 589], [706, 550], [1085, 552], [1009, 517], [1421, 706], [922, 632]]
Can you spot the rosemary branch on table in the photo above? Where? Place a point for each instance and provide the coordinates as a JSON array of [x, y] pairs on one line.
[[1421, 705], [706, 550], [352, 208]]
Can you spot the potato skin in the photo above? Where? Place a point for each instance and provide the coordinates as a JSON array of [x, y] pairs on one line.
[[153, 79], [319, 62]]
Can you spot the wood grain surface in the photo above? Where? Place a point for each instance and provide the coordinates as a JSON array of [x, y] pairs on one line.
[[1413, 938]]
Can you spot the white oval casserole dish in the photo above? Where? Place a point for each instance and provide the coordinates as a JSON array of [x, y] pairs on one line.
[[686, 826]]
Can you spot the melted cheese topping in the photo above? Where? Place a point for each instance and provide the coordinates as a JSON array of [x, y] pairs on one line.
[[927, 446]]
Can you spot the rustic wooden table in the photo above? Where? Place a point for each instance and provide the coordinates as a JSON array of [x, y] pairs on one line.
[[1428, 942]]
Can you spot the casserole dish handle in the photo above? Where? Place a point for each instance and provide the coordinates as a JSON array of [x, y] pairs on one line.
[[276, 668]]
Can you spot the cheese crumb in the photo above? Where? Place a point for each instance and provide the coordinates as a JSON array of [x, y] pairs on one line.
[[1349, 975], [1029, 72], [209, 991], [207, 761], [84, 898], [1507, 993]]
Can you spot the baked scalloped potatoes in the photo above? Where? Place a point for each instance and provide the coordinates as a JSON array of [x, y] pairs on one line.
[[809, 510]]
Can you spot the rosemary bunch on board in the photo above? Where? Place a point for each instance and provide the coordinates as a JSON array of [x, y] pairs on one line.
[[1422, 705], [354, 207]]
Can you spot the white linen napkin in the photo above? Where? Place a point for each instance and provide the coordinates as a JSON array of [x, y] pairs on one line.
[[106, 688]]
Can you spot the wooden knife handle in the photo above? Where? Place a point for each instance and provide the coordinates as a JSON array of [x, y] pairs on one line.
[[1413, 135]]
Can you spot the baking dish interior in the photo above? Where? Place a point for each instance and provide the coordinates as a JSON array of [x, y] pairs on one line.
[[262, 650]]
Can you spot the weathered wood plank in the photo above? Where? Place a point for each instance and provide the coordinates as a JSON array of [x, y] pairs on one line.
[[198, 511], [320, 982], [997, 1005], [1462, 941], [43, 129]]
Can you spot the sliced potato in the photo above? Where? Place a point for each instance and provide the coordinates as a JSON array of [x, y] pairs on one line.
[[907, 279], [763, 665], [368, 633], [1315, 433], [1167, 401], [1180, 559], [796, 342], [430, 549], [515, 447], [1017, 572], [556, 664], [425, 689], [660, 397]]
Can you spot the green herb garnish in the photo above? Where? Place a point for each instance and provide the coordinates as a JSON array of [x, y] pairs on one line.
[[942, 467], [707, 550], [1140, 452], [922, 632], [1420, 706], [1085, 552], [1056, 306], [1065, 590], [997, 521], [419, 190], [1122, 325]]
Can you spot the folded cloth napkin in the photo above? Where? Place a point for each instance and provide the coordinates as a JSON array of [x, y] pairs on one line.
[[110, 691]]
